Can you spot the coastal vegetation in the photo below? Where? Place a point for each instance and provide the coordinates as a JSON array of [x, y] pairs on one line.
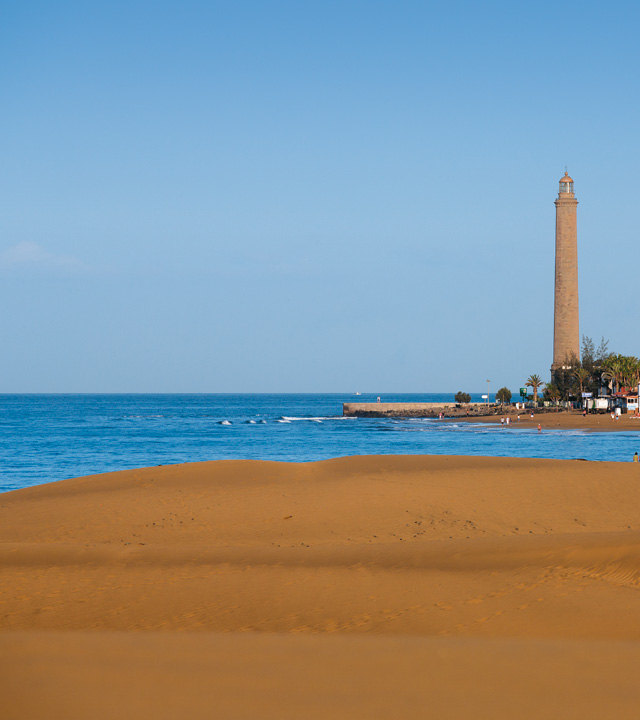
[[581, 375], [597, 371], [462, 398], [503, 395], [551, 392], [577, 375], [535, 382], [622, 371]]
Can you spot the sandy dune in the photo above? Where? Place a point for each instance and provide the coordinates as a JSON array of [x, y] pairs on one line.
[[371, 587]]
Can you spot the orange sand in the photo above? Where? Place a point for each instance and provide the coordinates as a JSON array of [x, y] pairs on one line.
[[371, 587], [594, 422]]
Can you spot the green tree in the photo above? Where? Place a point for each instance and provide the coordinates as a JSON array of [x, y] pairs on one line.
[[632, 371], [588, 353], [552, 392], [615, 369], [535, 382], [593, 360], [605, 368], [563, 377], [602, 353], [504, 395], [635, 372], [581, 375], [462, 397], [623, 370]]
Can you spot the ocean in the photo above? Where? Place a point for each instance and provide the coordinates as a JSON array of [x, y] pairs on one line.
[[44, 438]]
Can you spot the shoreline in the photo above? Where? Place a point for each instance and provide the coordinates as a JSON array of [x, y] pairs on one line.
[[547, 417], [567, 420]]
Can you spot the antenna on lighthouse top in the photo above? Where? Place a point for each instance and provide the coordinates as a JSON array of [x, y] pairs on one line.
[[566, 170]]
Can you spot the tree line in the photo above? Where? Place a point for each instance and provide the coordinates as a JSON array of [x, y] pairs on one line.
[[597, 368]]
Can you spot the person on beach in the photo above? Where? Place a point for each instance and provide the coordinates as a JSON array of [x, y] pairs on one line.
[[635, 457], [518, 418], [539, 428], [532, 414], [502, 422], [378, 400]]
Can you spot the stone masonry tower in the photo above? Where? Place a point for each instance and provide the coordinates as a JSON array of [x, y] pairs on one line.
[[566, 333]]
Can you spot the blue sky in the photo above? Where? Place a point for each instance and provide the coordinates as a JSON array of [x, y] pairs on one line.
[[309, 197]]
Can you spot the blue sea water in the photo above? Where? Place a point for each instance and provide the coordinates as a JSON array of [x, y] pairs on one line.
[[44, 438]]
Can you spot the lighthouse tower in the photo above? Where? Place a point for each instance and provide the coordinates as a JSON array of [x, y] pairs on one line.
[[566, 333]]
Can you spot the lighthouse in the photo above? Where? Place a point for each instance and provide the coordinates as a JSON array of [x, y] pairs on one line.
[[566, 332]]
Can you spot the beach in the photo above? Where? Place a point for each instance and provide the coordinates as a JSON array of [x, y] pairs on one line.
[[573, 420], [359, 587]]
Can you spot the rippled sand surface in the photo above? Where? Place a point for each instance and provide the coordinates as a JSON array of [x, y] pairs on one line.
[[369, 587]]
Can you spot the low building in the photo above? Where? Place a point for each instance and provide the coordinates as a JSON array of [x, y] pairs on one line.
[[601, 404], [626, 400]]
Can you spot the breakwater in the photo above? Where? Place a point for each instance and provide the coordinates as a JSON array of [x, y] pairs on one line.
[[426, 409]]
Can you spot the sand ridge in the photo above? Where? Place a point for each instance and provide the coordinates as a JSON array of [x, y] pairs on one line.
[[474, 558]]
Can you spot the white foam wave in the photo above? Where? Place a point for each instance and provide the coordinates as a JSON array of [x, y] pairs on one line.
[[319, 418], [143, 416]]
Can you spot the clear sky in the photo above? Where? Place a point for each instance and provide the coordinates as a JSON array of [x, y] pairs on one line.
[[288, 196]]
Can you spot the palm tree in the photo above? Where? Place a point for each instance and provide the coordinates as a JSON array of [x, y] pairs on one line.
[[535, 382], [631, 367], [614, 371], [635, 369], [581, 375], [621, 371], [608, 377]]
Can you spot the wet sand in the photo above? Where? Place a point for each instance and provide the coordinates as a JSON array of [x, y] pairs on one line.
[[368, 587]]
